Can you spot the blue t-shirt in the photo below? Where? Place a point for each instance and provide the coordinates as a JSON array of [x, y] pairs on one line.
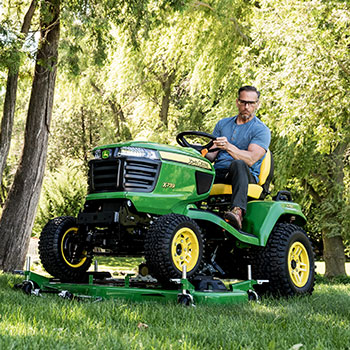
[[254, 131]]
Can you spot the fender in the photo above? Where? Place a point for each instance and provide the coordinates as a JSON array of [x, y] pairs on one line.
[[203, 215], [260, 219], [262, 216]]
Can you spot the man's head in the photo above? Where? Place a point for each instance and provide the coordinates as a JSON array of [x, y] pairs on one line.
[[247, 102]]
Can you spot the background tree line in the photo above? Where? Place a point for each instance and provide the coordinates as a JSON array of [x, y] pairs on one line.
[[150, 69]]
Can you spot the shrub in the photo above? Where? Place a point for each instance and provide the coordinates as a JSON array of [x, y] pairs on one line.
[[63, 194]]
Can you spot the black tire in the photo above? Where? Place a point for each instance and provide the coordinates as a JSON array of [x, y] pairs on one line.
[[171, 241], [287, 261], [185, 300], [58, 245]]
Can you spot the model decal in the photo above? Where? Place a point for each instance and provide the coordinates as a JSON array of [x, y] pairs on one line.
[[181, 158]]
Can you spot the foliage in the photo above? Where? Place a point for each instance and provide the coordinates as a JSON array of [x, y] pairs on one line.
[[127, 92], [300, 54], [186, 62], [63, 194]]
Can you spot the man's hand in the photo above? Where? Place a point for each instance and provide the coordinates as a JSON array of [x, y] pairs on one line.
[[252, 155], [222, 143]]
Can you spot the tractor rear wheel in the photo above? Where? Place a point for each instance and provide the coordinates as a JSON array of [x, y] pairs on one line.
[[62, 250], [287, 261], [174, 241]]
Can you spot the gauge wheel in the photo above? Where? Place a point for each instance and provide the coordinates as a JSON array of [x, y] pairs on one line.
[[287, 261], [62, 250], [172, 242]]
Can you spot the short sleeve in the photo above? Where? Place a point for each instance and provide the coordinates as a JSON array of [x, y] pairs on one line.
[[262, 137]]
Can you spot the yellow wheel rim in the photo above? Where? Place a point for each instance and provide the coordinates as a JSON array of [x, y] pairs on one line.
[[65, 243], [185, 249], [298, 264]]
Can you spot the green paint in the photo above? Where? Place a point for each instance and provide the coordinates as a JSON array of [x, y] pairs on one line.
[[237, 293], [261, 217]]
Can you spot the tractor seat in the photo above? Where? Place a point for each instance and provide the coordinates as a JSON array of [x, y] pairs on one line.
[[255, 191]]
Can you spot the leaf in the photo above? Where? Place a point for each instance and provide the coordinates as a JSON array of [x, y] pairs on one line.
[[142, 326]]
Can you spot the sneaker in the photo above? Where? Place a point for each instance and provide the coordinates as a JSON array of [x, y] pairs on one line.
[[234, 217]]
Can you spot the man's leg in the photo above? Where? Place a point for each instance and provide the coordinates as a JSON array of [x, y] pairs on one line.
[[239, 176]]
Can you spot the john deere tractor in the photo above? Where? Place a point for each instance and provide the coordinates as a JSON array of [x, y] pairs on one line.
[[161, 202]]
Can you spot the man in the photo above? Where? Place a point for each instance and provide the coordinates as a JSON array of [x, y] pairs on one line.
[[243, 141]]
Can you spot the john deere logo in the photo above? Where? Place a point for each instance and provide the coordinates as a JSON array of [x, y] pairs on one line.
[[105, 154]]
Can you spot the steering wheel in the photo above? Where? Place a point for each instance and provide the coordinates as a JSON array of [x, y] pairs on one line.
[[181, 140]]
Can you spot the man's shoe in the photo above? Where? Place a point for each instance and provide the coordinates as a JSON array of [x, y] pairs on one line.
[[234, 217]]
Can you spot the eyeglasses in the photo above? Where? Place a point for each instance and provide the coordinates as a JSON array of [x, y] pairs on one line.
[[249, 103]]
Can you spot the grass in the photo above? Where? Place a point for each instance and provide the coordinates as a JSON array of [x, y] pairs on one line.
[[320, 321]]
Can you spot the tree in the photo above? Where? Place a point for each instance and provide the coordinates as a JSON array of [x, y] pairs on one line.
[[18, 214], [19, 210], [300, 58], [11, 90], [181, 75]]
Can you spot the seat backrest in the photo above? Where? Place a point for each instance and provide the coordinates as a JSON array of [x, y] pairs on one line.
[[266, 172]]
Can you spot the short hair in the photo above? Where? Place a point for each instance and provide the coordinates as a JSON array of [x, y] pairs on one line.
[[248, 88]]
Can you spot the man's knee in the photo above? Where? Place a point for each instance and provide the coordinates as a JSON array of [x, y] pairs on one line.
[[238, 164]]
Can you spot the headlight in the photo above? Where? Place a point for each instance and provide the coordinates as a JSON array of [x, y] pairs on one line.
[[138, 152]]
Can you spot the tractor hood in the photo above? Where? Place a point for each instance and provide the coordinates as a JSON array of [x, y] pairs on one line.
[[152, 150]]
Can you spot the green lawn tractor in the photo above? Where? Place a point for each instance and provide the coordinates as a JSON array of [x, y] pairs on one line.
[[160, 202]]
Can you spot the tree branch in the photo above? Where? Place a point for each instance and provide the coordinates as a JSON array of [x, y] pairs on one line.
[[237, 26], [312, 191], [28, 17]]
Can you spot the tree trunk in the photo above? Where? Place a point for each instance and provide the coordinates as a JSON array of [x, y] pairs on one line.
[[19, 210], [334, 257], [122, 130], [10, 97], [333, 247], [166, 86], [83, 135]]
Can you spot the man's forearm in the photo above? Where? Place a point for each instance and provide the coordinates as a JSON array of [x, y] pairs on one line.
[[239, 154], [250, 156], [211, 156]]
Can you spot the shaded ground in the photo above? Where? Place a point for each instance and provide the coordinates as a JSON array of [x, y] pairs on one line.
[[125, 265]]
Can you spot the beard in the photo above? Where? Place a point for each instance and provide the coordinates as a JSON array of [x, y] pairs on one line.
[[246, 116]]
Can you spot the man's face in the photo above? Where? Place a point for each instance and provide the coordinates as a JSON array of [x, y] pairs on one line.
[[247, 104]]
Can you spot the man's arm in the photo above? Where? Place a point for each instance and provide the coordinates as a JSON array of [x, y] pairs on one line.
[[212, 155], [251, 156]]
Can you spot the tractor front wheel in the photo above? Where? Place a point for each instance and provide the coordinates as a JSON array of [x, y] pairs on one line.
[[287, 261], [62, 251], [172, 242]]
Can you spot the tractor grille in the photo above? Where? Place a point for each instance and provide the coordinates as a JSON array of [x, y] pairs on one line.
[[123, 174], [104, 176], [140, 175]]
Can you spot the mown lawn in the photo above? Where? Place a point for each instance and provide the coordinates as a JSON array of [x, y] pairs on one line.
[[321, 321]]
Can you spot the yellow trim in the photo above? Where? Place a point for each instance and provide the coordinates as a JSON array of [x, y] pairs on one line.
[[218, 189], [265, 168], [181, 158], [73, 230], [254, 191], [185, 249], [298, 264]]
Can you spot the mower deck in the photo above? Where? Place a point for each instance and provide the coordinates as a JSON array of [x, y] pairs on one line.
[[101, 285]]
